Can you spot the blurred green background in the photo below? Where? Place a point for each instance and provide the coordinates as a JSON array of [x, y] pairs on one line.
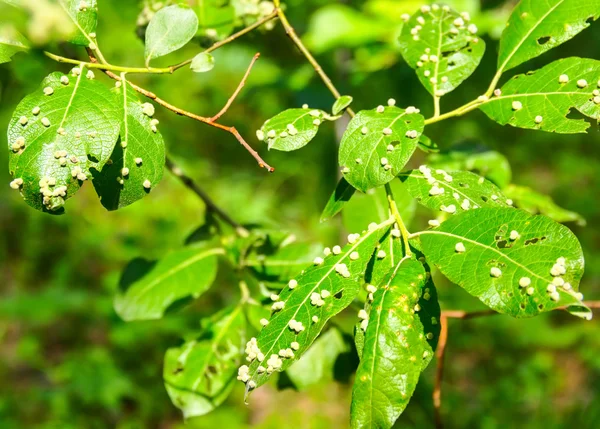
[[67, 361]]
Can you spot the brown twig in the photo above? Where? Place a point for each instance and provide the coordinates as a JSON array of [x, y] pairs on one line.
[[237, 90], [441, 350]]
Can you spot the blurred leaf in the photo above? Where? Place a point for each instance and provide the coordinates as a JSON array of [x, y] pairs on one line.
[[533, 254], [170, 29], [11, 42], [338, 199], [300, 313], [374, 142], [203, 62], [216, 18], [200, 374], [283, 263], [534, 202], [292, 128], [427, 145], [62, 136], [393, 349], [137, 167], [317, 364], [180, 274], [536, 26], [441, 46], [341, 103], [84, 15]]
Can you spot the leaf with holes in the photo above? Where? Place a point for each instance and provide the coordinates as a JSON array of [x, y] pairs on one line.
[[301, 311], [377, 144], [84, 14], [543, 99], [137, 161], [291, 129], [149, 288], [516, 263], [441, 46], [317, 364], [341, 103], [170, 29], [200, 374], [534, 202], [393, 352], [452, 192], [11, 42], [216, 18], [535, 27], [58, 134], [338, 199]]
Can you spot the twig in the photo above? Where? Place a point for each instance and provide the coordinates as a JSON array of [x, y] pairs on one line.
[[238, 89], [441, 350]]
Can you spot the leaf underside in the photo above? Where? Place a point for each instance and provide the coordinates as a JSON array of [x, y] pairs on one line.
[[292, 129], [170, 29]]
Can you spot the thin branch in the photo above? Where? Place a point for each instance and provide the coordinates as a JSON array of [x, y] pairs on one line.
[[110, 67], [238, 89]]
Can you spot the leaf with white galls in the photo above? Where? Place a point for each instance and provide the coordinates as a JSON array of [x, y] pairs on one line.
[[171, 28], [202, 62], [291, 129], [543, 99], [535, 27], [308, 301], [137, 163], [84, 14], [442, 46], [11, 42], [341, 103], [516, 263], [200, 374], [58, 134], [452, 192], [377, 144], [394, 349]]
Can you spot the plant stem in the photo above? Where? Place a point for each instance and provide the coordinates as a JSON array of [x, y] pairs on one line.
[[394, 209], [472, 105], [110, 67], [289, 30], [436, 106]]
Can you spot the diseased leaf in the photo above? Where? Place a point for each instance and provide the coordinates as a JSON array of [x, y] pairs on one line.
[[137, 161], [84, 14], [338, 199], [300, 312], [11, 42], [317, 364], [543, 99], [202, 62], [147, 291], [441, 46], [291, 129], [200, 374], [535, 27], [452, 192], [341, 103], [393, 349], [170, 29], [216, 18], [58, 134], [527, 199], [516, 263], [377, 144]]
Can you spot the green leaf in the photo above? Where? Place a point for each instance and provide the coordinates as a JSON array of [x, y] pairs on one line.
[[429, 315], [393, 350], [282, 263], [170, 29], [149, 288], [536, 26], [84, 15], [322, 291], [341, 103], [291, 129], [317, 364], [216, 18], [338, 199], [539, 100], [66, 134], [427, 145], [376, 146], [140, 153], [527, 199], [452, 192], [441, 46], [11, 42], [202, 62], [200, 374], [509, 259]]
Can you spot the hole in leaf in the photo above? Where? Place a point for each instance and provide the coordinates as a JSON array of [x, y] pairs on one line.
[[504, 244], [541, 306], [589, 20], [177, 370], [92, 158], [339, 295], [522, 306], [451, 63], [543, 40], [484, 198], [534, 240], [463, 185]]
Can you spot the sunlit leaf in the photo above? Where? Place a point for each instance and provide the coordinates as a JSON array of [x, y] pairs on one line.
[[202, 62], [377, 144], [442, 47], [341, 103], [291, 129], [338, 199], [509, 259], [543, 99], [11, 42], [56, 139], [170, 29], [84, 15]]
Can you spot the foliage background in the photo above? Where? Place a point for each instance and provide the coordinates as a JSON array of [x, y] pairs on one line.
[[67, 361]]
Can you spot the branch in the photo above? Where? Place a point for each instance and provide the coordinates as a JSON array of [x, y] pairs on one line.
[[441, 349]]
